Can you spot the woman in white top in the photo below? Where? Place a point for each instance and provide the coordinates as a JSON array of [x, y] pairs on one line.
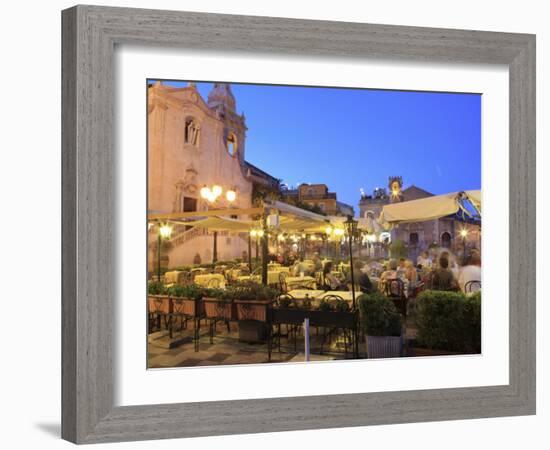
[[471, 272]]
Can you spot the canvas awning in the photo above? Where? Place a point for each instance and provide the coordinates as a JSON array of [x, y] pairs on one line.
[[429, 208], [475, 199], [291, 218], [215, 223]]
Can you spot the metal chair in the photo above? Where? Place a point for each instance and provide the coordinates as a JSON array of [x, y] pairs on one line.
[[335, 302], [394, 289], [472, 286], [214, 283]]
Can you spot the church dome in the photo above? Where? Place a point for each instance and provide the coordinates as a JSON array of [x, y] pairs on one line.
[[221, 95]]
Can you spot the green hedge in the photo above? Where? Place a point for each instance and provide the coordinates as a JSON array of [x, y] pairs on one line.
[[379, 317], [449, 321]]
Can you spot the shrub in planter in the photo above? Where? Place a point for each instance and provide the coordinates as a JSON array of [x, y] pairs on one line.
[[252, 300], [381, 323], [379, 317], [449, 321], [157, 299], [156, 288], [472, 319], [186, 299]]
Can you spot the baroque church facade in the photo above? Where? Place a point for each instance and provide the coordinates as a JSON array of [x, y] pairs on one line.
[[194, 143]]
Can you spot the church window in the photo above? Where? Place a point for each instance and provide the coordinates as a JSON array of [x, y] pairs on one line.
[[413, 239], [191, 132], [231, 144]]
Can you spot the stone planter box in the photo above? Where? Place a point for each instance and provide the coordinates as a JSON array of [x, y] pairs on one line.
[[252, 309], [215, 308], [187, 306], [384, 346], [252, 316], [158, 304]]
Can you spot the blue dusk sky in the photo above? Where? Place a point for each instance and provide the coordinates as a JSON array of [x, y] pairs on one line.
[[356, 138]]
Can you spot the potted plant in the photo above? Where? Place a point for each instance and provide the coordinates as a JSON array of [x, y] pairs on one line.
[[252, 301], [217, 303], [158, 304], [381, 323], [186, 299], [448, 323]]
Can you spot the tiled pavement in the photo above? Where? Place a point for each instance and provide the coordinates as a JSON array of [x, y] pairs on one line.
[[227, 350]]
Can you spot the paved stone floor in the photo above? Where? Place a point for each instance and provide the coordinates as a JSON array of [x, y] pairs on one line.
[[228, 350]]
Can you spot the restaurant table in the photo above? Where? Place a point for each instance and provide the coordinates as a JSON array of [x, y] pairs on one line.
[[316, 295], [171, 277], [272, 277], [206, 280], [345, 295], [233, 273], [278, 269], [256, 278], [300, 281], [305, 293]]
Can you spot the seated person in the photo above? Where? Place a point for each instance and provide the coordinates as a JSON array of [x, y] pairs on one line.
[[360, 277], [410, 272], [390, 273], [470, 272], [424, 260], [442, 278], [330, 281], [317, 263]]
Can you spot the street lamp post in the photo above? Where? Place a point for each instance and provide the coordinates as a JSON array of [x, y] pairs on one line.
[[164, 232], [211, 195], [351, 227]]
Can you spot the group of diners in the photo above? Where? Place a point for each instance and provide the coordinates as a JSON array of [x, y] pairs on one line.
[[439, 272], [431, 271]]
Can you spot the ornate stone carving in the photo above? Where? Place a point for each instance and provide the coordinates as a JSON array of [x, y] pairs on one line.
[[186, 187]]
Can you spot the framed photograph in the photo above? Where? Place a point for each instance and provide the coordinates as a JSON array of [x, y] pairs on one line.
[[277, 224]]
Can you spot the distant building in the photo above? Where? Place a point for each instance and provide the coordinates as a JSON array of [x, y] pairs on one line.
[[317, 196], [419, 236]]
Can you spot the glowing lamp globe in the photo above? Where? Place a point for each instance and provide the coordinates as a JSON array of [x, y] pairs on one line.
[[230, 195], [165, 231], [217, 190], [205, 192]]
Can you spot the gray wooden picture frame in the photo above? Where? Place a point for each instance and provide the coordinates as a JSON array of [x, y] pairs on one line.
[[90, 34]]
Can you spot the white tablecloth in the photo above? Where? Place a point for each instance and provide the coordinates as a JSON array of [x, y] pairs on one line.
[[206, 280]]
